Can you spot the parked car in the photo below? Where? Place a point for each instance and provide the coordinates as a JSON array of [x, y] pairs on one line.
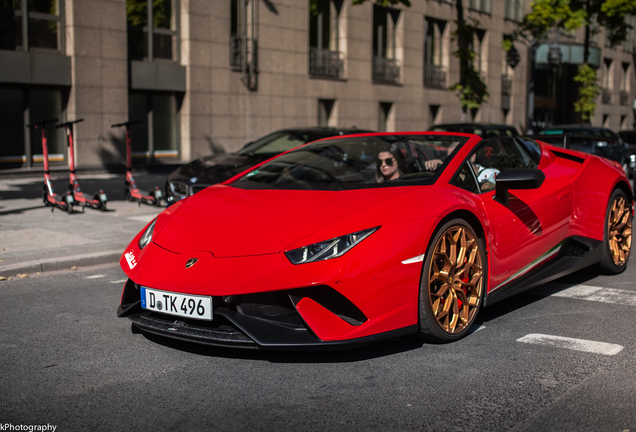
[[325, 247], [589, 139], [203, 172], [483, 130], [629, 136]]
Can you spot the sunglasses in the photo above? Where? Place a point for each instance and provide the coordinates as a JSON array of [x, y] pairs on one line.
[[387, 161]]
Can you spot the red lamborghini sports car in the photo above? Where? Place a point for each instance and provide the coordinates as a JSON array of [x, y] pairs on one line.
[[348, 240]]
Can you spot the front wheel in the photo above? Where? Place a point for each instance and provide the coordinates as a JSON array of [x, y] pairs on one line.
[[453, 282], [617, 239]]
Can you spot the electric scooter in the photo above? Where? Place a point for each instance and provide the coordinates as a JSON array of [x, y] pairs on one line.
[[132, 192], [49, 197], [99, 200]]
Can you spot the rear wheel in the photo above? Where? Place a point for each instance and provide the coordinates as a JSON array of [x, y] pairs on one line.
[[453, 282], [617, 240]]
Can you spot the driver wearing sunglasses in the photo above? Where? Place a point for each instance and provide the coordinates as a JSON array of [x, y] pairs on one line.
[[387, 167]]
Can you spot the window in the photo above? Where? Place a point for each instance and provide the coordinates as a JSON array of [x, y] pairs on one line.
[[325, 109], [21, 146], [489, 158], [244, 40], [158, 40], [434, 111], [628, 45], [481, 5], [514, 10], [465, 179], [325, 58], [434, 71], [26, 24], [386, 117], [157, 135], [479, 44], [625, 87], [608, 81], [386, 66]]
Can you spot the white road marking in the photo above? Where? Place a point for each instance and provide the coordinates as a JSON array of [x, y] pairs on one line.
[[598, 294], [94, 277], [572, 343], [118, 281]]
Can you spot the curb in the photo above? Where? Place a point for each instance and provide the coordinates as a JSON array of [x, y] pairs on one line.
[[51, 264]]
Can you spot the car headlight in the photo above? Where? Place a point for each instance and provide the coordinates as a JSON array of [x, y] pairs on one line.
[[147, 237], [328, 249]]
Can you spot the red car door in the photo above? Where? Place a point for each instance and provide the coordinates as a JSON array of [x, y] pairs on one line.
[[529, 230]]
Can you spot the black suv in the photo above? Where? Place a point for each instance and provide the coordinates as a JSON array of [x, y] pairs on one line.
[[599, 141], [481, 129], [203, 172]]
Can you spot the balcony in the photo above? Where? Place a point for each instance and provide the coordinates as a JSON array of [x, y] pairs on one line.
[[325, 63], [606, 96], [624, 98], [236, 52], [386, 70], [434, 76]]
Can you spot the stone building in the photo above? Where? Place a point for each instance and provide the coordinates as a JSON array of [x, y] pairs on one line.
[[206, 76]]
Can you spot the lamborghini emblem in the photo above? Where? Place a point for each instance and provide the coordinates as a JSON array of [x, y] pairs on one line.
[[191, 262]]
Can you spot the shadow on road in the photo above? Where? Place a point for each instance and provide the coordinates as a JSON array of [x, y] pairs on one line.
[[375, 350]]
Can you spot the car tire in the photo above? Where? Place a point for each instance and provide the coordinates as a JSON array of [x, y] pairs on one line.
[[617, 236], [450, 294]]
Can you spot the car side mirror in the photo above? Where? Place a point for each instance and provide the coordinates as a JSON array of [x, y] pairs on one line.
[[516, 179]]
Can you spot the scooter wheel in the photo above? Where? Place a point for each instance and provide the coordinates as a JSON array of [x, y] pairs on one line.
[[45, 198], [69, 206], [102, 204]]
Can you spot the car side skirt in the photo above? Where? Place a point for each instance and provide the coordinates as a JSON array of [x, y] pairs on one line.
[[574, 253]]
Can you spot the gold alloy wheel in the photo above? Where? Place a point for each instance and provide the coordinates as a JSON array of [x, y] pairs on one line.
[[455, 279], [620, 231]]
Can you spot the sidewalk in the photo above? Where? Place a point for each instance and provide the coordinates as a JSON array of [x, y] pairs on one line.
[[35, 239]]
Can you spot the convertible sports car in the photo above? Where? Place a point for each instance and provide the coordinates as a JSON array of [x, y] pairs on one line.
[[348, 240]]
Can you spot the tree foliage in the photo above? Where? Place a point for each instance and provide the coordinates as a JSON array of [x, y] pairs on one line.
[[471, 89], [588, 91], [546, 19]]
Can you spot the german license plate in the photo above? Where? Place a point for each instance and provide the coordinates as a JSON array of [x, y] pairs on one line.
[[183, 305]]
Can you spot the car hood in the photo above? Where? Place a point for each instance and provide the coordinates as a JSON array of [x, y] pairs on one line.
[[216, 169], [232, 222]]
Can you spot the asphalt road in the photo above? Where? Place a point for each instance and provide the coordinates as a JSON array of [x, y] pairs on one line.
[[67, 360]]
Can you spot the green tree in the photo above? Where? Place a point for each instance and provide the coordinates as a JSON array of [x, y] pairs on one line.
[[588, 91], [471, 89], [610, 15]]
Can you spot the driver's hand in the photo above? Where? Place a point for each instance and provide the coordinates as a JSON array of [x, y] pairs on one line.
[[432, 165]]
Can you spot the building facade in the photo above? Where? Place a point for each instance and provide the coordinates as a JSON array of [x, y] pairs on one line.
[[198, 77]]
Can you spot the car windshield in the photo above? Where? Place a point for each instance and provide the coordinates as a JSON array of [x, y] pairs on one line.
[[276, 142], [582, 144], [357, 162]]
